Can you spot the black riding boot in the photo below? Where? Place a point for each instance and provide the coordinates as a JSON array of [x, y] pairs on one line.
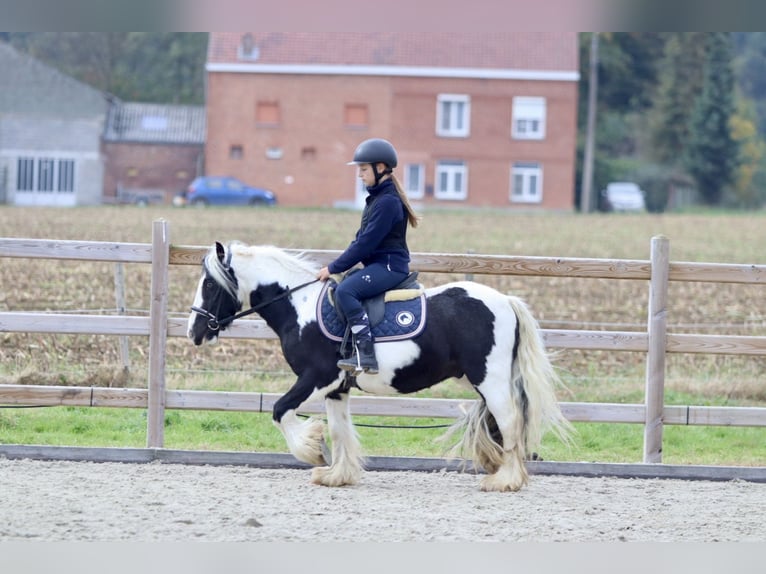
[[363, 357]]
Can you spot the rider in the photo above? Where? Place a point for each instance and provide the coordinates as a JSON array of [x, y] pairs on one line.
[[380, 246]]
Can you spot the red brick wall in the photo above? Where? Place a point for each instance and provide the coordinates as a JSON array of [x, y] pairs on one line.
[[400, 109], [150, 166]]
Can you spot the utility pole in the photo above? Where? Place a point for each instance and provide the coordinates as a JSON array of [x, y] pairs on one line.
[[586, 188]]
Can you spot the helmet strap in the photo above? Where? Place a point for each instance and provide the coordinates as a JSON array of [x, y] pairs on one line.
[[380, 174]]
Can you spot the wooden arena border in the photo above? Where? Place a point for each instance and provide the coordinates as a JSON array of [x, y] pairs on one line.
[[656, 342]]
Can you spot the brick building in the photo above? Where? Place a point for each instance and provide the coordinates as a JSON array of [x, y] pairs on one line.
[[151, 151], [485, 119]]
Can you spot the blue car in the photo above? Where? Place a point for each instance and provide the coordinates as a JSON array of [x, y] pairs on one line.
[[226, 191]]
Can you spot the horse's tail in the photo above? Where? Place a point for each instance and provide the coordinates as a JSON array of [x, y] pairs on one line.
[[533, 382]]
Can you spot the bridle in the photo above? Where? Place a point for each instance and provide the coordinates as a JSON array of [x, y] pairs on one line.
[[214, 323]]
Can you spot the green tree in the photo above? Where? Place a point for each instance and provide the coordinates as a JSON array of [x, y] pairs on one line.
[[681, 80], [751, 72], [161, 67], [712, 152], [627, 72]]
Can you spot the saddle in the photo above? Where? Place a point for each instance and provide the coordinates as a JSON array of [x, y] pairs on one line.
[[397, 314]]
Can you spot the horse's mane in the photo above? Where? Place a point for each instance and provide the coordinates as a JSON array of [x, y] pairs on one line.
[[267, 259]]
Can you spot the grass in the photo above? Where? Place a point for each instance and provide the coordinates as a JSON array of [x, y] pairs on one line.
[[234, 431], [235, 365]]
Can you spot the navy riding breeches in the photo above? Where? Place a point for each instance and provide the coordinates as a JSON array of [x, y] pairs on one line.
[[363, 284]]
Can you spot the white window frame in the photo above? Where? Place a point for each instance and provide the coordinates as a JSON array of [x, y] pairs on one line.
[[529, 172], [25, 174], [65, 175], [528, 120], [45, 175], [454, 171], [453, 115], [415, 187]]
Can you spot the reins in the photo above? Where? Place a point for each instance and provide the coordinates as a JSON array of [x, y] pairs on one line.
[[214, 323]]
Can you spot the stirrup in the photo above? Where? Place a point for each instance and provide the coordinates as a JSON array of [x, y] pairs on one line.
[[351, 364], [354, 365]]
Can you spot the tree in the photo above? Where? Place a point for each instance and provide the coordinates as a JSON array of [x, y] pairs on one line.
[[627, 75], [747, 189], [160, 67], [712, 153], [751, 48], [681, 80]]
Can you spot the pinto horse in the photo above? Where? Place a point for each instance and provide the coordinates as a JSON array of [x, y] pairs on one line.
[[483, 338]]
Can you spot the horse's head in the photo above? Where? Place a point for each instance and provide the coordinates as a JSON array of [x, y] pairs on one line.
[[216, 298]]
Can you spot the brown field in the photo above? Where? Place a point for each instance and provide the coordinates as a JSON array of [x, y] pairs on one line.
[[67, 286]]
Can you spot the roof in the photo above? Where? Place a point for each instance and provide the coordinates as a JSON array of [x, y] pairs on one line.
[[155, 123], [27, 86], [397, 52]]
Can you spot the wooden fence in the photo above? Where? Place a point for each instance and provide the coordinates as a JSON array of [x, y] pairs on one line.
[[656, 342]]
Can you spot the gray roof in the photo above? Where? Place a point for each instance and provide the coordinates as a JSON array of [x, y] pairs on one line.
[[155, 123], [29, 87]]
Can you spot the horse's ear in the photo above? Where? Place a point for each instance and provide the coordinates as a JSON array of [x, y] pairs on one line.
[[220, 251]]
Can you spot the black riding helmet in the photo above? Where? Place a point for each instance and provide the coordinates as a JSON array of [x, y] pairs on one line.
[[375, 151]]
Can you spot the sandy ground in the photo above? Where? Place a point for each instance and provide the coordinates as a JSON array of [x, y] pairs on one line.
[[82, 501]]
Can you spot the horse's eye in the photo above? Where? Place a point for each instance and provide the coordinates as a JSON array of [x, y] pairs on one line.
[[208, 285]]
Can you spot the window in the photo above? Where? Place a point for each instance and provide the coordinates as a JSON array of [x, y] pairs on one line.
[[355, 115], [235, 152], [66, 175], [154, 123], [45, 175], [453, 115], [267, 113], [25, 177], [234, 185], [247, 48], [45, 169], [528, 118], [414, 182], [526, 183], [451, 180]]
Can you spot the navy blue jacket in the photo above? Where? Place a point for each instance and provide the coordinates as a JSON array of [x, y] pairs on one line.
[[382, 235]]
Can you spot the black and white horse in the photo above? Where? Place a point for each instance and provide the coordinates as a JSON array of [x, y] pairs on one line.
[[473, 333]]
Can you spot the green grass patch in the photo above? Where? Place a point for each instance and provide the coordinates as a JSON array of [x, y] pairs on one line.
[[380, 436]]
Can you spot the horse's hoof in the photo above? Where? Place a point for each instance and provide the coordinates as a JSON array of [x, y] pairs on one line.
[[504, 480], [329, 476], [498, 486]]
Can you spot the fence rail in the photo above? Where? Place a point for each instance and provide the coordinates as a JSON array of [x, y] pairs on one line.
[[656, 342]]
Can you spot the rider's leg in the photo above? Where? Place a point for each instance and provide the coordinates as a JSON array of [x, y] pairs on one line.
[[370, 281]]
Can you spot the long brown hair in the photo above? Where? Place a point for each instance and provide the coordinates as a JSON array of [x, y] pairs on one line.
[[412, 217]]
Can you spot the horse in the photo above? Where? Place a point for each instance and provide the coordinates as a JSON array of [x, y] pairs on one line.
[[486, 340]]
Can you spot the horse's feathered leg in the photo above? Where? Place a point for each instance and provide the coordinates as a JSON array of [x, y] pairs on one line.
[[525, 408], [346, 465], [507, 470], [518, 402], [305, 438]]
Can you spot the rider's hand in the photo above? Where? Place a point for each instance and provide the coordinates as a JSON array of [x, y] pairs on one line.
[[324, 274]]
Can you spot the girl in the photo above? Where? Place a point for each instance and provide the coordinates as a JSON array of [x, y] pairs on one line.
[[380, 246]]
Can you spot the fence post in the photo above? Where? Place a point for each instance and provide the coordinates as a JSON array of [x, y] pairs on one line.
[[655, 357], [158, 311], [119, 297]]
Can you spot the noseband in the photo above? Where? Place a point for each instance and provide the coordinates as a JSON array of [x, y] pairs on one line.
[[214, 323]]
